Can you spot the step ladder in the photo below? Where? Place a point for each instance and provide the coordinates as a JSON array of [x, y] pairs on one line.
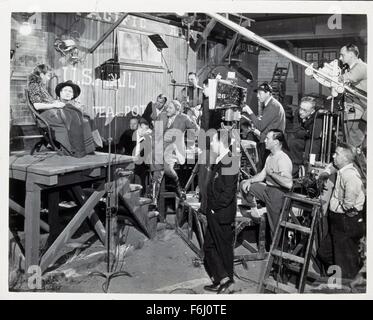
[[278, 82], [299, 217]]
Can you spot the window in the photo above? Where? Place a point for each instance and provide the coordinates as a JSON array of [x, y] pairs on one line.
[[135, 49]]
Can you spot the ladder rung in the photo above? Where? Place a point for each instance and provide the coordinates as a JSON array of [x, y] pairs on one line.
[[279, 286], [294, 226], [303, 198], [287, 256]]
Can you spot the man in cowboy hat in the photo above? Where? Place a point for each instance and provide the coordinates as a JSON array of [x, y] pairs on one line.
[[273, 117]]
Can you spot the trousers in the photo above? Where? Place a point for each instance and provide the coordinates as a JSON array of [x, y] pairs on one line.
[[341, 246], [218, 249], [273, 198]]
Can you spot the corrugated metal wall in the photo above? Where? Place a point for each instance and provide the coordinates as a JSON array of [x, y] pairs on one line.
[[136, 87]]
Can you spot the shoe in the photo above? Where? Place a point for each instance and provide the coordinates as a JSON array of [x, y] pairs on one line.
[[212, 287], [224, 288]]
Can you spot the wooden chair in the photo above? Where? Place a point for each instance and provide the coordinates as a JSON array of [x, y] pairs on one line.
[[46, 138]]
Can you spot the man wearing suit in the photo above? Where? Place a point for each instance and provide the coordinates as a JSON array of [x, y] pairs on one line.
[[153, 109], [174, 145], [221, 212], [273, 117]]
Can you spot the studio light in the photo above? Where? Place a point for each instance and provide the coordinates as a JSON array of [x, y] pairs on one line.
[[25, 29]]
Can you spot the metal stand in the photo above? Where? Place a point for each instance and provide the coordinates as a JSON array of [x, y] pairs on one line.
[[110, 215]]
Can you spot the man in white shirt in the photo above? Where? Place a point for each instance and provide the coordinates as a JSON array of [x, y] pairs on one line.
[[356, 109], [277, 174], [346, 223]]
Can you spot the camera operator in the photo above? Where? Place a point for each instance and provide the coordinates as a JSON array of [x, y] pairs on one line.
[[273, 117]]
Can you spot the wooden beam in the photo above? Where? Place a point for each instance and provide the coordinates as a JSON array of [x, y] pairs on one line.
[[84, 212], [229, 47], [107, 33], [19, 209], [205, 34], [94, 220]]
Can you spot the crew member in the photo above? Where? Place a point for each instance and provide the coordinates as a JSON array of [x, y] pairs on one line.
[[305, 131], [191, 98], [272, 182], [346, 224], [174, 145], [273, 117], [355, 108], [221, 212], [127, 141], [153, 109]]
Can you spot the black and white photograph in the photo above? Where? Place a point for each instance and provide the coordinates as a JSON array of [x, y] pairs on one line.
[[220, 149]]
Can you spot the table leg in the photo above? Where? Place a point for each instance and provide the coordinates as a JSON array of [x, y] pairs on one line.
[[32, 224], [53, 216]]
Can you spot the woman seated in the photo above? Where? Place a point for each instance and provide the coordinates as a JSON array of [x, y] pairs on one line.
[[71, 130]]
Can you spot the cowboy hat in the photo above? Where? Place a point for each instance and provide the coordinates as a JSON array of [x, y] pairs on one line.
[[68, 83]]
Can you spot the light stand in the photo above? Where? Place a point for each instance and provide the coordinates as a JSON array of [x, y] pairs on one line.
[[111, 211]]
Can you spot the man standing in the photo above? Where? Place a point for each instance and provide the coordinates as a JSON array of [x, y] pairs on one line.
[[221, 213], [191, 97], [273, 117], [277, 174], [346, 223], [356, 109], [306, 131]]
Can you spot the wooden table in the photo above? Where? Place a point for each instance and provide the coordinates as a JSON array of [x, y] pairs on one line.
[[52, 172]]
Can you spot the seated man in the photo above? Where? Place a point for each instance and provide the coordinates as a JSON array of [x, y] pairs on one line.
[[346, 223], [173, 143], [304, 128], [272, 182], [127, 142], [153, 109]]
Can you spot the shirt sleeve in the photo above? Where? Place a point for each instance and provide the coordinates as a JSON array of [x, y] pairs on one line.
[[352, 189], [356, 74]]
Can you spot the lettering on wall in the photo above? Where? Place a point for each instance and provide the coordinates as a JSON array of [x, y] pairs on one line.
[[84, 76]]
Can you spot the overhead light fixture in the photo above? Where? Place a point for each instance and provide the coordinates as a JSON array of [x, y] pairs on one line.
[[25, 29]]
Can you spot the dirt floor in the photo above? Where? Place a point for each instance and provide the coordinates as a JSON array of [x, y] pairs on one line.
[[162, 265]]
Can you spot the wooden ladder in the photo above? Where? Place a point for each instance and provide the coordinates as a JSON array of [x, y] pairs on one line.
[[278, 82], [294, 258]]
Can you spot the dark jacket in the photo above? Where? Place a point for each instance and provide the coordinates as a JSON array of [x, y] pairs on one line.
[[273, 117], [126, 142], [222, 190], [299, 138]]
